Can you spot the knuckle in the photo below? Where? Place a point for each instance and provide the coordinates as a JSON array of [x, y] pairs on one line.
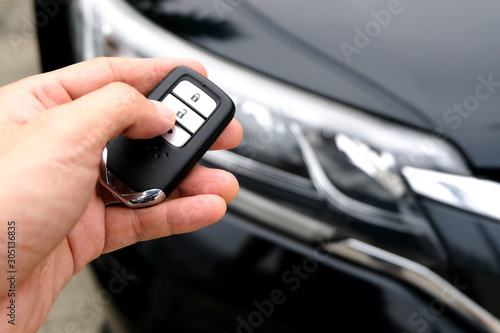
[[124, 96], [138, 229], [121, 87]]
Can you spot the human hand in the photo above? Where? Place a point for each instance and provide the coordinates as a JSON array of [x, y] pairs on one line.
[[54, 127]]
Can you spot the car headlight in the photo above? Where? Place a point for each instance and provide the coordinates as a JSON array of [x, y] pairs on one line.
[[317, 164]]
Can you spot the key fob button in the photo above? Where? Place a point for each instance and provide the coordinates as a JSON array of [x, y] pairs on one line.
[[195, 97], [184, 114], [177, 136]]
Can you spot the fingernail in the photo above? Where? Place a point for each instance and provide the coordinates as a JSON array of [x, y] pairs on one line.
[[164, 110]]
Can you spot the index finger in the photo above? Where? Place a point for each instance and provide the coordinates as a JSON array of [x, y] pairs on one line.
[[142, 74]]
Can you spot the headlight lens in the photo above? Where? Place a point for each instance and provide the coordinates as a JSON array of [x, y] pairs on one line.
[[298, 148]]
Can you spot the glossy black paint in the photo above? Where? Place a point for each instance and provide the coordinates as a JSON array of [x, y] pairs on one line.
[[431, 65], [52, 20], [473, 243], [236, 276]]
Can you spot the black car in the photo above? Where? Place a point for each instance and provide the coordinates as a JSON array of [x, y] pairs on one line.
[[369, 168]]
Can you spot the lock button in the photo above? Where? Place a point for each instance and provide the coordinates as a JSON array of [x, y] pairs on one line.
[[184, 114], [195, 97]]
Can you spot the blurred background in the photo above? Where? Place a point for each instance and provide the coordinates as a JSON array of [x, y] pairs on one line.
[[19, 55], [80, 307]]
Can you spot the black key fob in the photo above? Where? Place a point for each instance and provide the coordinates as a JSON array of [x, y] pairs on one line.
[[143, 173]]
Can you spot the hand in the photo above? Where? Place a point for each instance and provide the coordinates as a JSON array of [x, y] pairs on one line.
[[54, 127]]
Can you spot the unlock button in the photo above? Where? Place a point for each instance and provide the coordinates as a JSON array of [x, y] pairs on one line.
[[184, 114]]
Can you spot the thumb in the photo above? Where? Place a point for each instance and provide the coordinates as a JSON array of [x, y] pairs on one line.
[[116, 109], [74, 134]]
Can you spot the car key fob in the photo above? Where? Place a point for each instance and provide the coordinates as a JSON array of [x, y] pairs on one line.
[[143, 173]]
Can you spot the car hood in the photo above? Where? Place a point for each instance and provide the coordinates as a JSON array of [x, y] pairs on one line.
[[430, 65]]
